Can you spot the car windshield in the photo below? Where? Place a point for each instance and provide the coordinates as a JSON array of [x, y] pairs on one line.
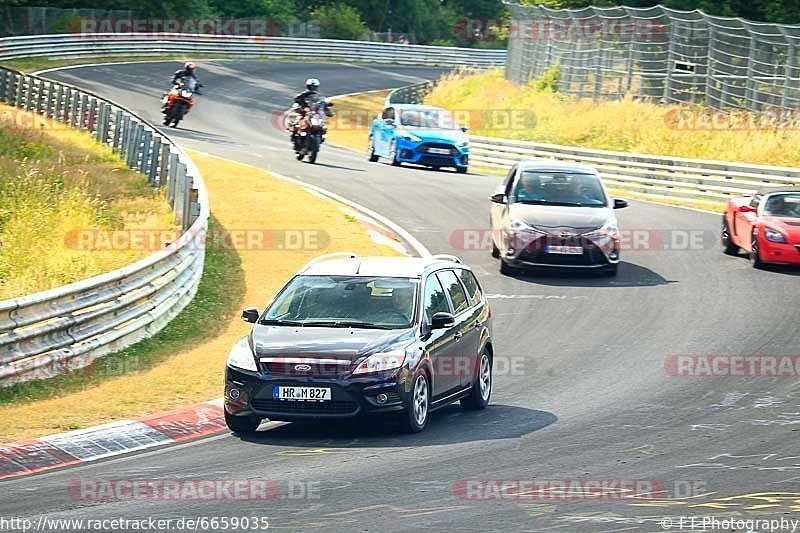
[[428, 118], [783, 205], [560, 188], [345, 301]]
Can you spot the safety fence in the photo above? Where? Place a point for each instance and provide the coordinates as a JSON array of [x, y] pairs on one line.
[[656, 177], [170, 44], [68, 327], [659, 54]]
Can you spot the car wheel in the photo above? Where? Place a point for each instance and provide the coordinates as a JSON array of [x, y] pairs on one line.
[[242, 424], [755, 256], [481, 389], [506, 269], [371, 150], [415, 417], [727, 244], [495, 250], [393, 153], [461, 170]]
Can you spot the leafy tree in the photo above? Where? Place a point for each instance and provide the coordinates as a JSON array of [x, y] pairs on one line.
[[340, 21]]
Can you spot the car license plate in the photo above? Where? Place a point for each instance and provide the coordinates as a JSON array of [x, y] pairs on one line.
[[443, 151], [568, 250], [307, 394]]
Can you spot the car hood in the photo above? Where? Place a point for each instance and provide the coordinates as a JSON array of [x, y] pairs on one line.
[[331, 343], [788, 226], [552, 218], [437, 135]]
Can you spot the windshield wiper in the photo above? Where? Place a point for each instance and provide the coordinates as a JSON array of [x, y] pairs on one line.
[[280, 322], [342, 324], [550, 202]]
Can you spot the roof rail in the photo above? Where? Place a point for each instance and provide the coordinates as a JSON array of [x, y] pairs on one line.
[[328, 257], [446, 257]]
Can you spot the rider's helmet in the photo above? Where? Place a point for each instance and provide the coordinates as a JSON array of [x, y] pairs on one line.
[[312, 84], [189, 67]]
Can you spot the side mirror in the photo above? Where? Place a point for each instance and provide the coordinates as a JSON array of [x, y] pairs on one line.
[[498, 198], [389, 122], [620, 203], [250, 315], [442, 320], [747, 208], [464, 129]]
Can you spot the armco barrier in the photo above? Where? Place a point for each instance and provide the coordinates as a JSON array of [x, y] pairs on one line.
[[650, 176], [133, 44], [66, 328]]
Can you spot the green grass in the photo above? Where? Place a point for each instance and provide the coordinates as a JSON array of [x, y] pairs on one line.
[[220, 292]]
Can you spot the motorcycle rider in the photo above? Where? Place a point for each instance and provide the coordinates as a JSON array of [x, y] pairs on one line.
[[188, 71], [303, 101]]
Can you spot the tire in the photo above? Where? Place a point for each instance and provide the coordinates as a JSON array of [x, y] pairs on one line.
[[313, 149], [727, 244], [481, 390], [462, 170], [393, 153], [415, 416], [505, 269], [242, 424], [495, 250], [755, 256], [371, 150]]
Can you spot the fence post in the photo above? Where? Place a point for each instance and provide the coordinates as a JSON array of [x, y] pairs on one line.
[[152, 175]]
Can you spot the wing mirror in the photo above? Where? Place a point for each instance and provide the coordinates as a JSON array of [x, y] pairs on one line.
[[498, 198], [464, 129], [389, 122], [747, 208], [442, 320], [619, 203], [250, 315]]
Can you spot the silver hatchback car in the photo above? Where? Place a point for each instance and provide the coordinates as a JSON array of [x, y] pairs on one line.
[[554, 214]]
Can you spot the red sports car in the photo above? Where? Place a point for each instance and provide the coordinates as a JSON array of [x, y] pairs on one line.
[[766, 225]]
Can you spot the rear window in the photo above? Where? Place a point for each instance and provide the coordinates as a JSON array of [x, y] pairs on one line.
[[471, 284], [454, 289]]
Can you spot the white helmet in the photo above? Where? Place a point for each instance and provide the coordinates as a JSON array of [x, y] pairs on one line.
[[312, 84]]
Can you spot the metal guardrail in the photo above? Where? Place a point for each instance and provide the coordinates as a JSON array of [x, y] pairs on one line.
[[66, 328], [133, 44], [651, 176]]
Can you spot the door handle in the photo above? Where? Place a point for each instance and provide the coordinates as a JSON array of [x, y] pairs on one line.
[[458, 335]]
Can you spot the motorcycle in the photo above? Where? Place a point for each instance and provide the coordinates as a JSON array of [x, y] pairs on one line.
[[308, 128], [178, 101]]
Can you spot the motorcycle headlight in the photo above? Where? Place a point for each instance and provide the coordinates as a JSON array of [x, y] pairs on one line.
[[774, 235], [186, 94], [241, 356], [609, 229], [315, 121], [380, 362]]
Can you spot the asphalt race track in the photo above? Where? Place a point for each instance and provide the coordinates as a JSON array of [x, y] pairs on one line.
[[584, 394]]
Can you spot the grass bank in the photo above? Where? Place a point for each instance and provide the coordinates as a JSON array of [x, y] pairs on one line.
[[54, 181], [625, 125], [183, 364]]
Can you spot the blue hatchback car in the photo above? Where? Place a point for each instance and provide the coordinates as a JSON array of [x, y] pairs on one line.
[[421, 135]]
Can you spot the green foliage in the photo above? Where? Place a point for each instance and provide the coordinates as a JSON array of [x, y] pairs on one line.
[[340, 21], [548, 81]]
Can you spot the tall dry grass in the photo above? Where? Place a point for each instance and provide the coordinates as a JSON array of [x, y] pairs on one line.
[[625, 125], [53, 182]]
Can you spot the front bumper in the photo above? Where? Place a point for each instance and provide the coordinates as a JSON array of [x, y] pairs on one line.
[[779, 253], [429, 154], [534, 249], [250, 394]]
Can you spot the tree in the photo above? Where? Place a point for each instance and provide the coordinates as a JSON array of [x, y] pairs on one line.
[[340, 21]]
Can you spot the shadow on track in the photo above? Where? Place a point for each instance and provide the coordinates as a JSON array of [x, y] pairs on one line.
[[629, 275], [448, 425]]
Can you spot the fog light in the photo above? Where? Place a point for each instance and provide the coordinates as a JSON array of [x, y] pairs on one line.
[[381, 398], [510, 252], [613, 256], [234, 394]]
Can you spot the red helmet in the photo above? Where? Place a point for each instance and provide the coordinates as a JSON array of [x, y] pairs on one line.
[[189, 66]]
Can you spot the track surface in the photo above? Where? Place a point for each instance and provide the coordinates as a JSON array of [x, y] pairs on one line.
[[592, 401]]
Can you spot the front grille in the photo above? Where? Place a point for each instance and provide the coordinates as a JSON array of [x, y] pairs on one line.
[[536, 253], [436, 161], [425, 148], [318, 370], [286, 406]]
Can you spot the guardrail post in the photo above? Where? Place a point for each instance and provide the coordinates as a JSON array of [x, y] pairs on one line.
[[123, 144], [155, 159], [82, 116], [58, 110], [172, 175], [101, 134], [4, 77], [166, 161], [186, 206], [29, 94], [92, 118], [144, 161], [50, 105], [116, 141], [135, 137], [180, 192], [194, 207], [18, 97]]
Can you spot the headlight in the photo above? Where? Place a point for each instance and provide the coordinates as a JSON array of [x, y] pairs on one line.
[[316, 121], [774, 235], [609, 229], [409, 137], [380, 362], [241, 356], [518, 224]]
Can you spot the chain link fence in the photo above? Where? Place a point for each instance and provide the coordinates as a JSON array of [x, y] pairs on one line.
[[657, 54]]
